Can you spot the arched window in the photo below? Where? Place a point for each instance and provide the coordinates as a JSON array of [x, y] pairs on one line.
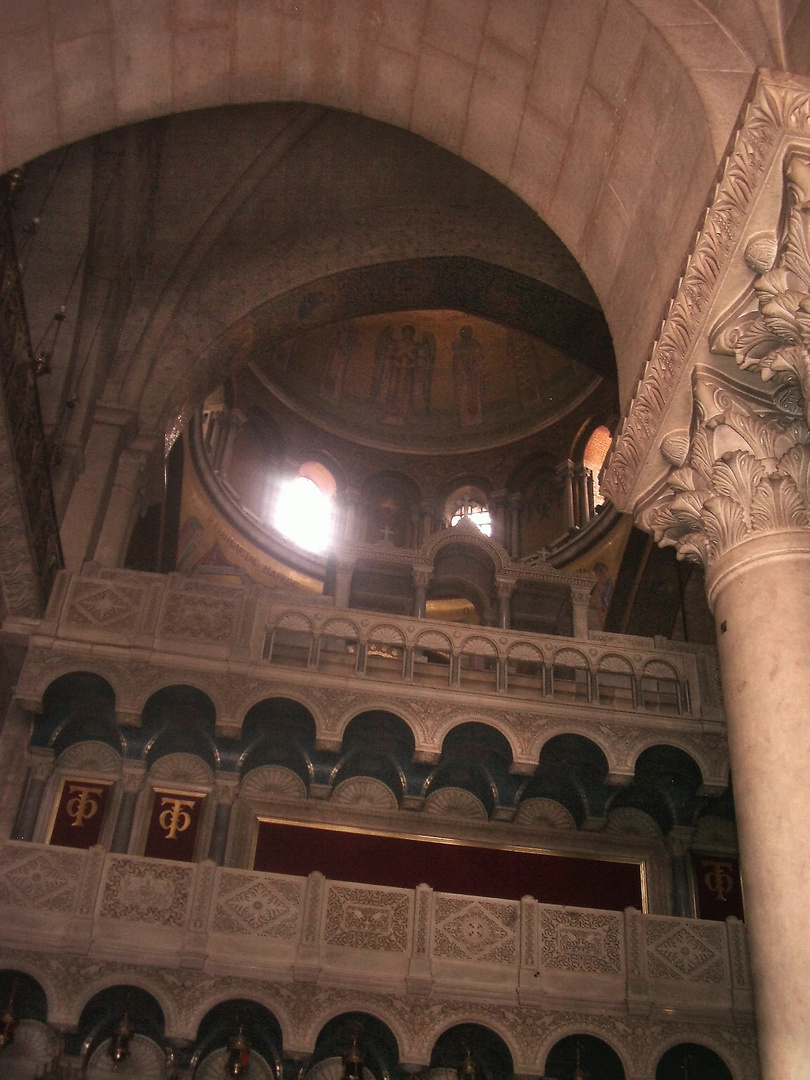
[[304, 509], [469, 503], [593, 458]]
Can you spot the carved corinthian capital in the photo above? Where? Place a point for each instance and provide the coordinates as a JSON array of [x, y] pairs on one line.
[[743, 470], [715, 449]]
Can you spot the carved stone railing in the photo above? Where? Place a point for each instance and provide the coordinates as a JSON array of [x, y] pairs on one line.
[[283, 928], [175, 616]]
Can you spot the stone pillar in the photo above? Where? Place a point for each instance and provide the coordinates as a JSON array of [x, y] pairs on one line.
[[565, 471], [225, 795], [515, 502], [498, 516], [123, 504], [88, 499], [350, 524], [716, 462], [426, 522], [131, 784], [41, 769], [505, 590], [678, 846], [344, 569], [744, 513], [421, 580], [581, 602]]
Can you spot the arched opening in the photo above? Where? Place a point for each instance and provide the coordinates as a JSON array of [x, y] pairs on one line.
[[691, 1061], [579, 1055]]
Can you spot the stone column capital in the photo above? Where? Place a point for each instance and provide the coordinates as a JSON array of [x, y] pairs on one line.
[[421, 573], [741, 472]]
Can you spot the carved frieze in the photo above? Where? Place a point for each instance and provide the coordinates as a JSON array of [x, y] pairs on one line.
[[581, 940], [251, 904], [367, 918], [147, 891], [43, 880], [692, 952], [481, 930]]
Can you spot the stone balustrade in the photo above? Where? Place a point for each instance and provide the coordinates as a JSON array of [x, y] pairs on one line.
[[282, 928], [177, 620]]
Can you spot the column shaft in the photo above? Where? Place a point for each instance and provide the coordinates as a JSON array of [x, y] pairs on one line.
[[761, 596]]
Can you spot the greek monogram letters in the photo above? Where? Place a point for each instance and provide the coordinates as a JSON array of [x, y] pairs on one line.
[[83, 805], [176, 818]]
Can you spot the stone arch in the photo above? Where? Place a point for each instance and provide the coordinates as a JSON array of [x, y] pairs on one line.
[[600, 739], [140, 979], [585, 1027], [483, 1019], [167, 681], [403, 711], [375, 1009], [253, 991], [648, 740], [504, 730], [469, 537], [704, 1038], [31, 694], [258, 695]]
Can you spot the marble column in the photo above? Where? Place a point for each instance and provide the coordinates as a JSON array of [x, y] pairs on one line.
[[738, 500], [565, 472], [40, 770], [131, 784], [677, 843], [225, 795], [122, 507], [714, 458], [421, 580], [505, 589]]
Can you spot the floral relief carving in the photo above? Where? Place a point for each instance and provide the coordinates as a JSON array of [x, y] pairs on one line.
[[358, 918], [149, 892], [677, 951], [40, 880], [200, 618], [580, 940], [253, 905], [111, 606], [476, 929]]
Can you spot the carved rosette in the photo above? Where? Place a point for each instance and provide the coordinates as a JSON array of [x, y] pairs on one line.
[[742, 471]]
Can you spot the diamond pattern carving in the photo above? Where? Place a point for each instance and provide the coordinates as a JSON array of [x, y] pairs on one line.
[[93, 604], [368, 918], [693, 952], [249, 904], [42, 880], [476, 930]]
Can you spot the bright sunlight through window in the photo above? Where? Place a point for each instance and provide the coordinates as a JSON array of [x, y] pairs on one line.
[[476, 513], [304, 513]]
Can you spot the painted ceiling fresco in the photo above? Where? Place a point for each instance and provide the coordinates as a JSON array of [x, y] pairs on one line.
[[424, 380]]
